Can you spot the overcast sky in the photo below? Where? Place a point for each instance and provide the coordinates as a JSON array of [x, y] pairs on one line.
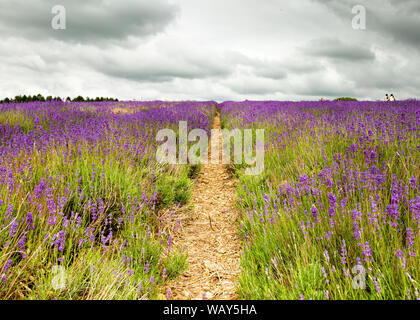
[[210, 49]]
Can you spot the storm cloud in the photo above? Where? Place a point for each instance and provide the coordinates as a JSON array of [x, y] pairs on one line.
[[210, 49], [86, 21], [337, 49], [396, 19]]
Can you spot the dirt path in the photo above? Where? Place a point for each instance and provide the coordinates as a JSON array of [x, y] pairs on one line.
[[210, 237]]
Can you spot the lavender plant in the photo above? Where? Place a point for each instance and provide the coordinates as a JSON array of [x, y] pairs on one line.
[[336, 213], [80, 194]]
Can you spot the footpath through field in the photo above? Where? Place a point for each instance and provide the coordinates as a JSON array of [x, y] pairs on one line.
[[210, 236]]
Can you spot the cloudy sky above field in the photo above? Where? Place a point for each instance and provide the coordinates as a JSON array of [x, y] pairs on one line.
[[210, 49]]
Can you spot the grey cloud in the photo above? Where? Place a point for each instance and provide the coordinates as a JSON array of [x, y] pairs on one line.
[[280, 69], [210, 49], [323, 89], [403, 30], [249, 85], [386, 76], [86, 20], [161, 65], [160, 72], [336, 49], [254, 89], [271, 71], [302, 66], [262, 68], [397, 19], [408, 6]]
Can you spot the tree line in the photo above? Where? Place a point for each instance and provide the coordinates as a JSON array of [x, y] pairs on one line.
[[39, 97]]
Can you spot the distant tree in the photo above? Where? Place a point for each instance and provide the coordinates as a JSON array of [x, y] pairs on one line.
[[78, 99], [345, 99], [40, 97]]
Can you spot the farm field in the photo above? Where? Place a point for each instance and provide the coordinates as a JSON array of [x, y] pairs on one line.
[[335, 215], [80, 197], [87, 212]]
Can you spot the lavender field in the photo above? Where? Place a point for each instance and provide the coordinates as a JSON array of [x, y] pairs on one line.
[[334, 215], [80, 192]]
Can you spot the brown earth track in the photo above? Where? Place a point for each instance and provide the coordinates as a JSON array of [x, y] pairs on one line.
[[209, 233]]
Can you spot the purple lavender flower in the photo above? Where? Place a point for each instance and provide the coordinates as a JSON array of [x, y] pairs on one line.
[[401, 258], [315, 215], [410, 242], [13, 228], [30, 220]]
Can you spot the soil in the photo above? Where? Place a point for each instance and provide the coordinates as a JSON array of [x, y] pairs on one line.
[[209, 233]]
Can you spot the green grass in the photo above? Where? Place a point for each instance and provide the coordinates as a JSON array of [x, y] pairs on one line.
[[285, 248], [120, 188], [18, 119]]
